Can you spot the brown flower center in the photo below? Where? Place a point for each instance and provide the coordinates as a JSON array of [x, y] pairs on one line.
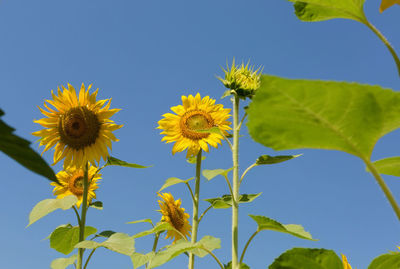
[[76, 184], [176, 217], [79, 127], [195, 120]]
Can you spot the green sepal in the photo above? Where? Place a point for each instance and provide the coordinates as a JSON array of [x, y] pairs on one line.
[[388, 166], [115, 161], [386, 261], [193, 159], [265, 223], [65, 237], [173, 181], [226, 200], [267, 159], [19, 149], [117, 242], [62, 263], [307, 258], [210, 174], [47, 206]]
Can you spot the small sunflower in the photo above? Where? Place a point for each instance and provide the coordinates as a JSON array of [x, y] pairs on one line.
[[346, 264], [385, 4], [195, 114], [71, 183], [79, 128], [174, 214], [242, 79]]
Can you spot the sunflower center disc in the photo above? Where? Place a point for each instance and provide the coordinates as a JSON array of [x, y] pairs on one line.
[[76, 184], [79, 127], [196, 120], [176, 217]]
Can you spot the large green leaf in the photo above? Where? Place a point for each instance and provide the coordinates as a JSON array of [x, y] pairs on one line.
[[62, 263], [320, 10], [207, 242], [160, 227], [173, 181], [265, 223], [47, 206], [388, 166], [115, 161], [117, 242], [226, 200], [64, 238], [307, 258], [139, 259], [386, 261], [19, 149], [297, 114]]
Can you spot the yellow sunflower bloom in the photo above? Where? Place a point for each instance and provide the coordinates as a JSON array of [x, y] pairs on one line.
[[79, 128], [385, 4], [71, 183], [195, 114], [174, 214], [346, 264]]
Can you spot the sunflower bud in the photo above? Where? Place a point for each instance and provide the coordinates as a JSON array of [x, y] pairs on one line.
[[242, 79]]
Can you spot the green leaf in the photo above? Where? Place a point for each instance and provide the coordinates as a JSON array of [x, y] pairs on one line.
[[388, 166], [140, 221], [193, 159], [65, 237], [307, 258], [98, 205], [242, 266], [118, 242], [385, 261], [210, 174], [265, 223], [62, 263], [226, 200], [321, 10], [172, 181], [115, 161], [267, 159], [106, 233], [297, 114], [47, 206], [208, 242], [182, 246], [160, 227], [19, 149], [139, 259]]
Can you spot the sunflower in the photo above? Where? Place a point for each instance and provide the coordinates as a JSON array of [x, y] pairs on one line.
[[79, 128], [194, 115], [346, 264], [71, 183], [174, 214]]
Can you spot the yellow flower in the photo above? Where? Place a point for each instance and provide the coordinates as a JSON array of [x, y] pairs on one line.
[[71, 183], [195, 114], [346, 264], [385, 4], [174, 214], [79, 128], [242, 79]]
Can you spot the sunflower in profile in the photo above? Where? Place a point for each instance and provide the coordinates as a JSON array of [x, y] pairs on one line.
[[71, 183], [79, 128], [174, 214], [193, 115]]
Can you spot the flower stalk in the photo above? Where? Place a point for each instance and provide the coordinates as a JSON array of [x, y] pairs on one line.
[[83, 215], [195, 217]]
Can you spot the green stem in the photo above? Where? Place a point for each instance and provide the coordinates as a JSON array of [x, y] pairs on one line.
[[247, 244], [77, 215], [247, 170], [83, 215], [190, 190], [195, 218], [229, 185], [205, 211], [386, 42], [155, 242], [384, 187], [88, 259], [235, 196], [215, 258]]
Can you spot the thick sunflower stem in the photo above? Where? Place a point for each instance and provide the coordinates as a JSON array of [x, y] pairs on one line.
[[195, 218], [83, 215], [235, 204]]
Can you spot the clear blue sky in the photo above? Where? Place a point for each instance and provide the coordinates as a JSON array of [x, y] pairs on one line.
[[145, 55]]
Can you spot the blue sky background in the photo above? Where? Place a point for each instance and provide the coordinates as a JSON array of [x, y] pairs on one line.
[[145, 55]]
